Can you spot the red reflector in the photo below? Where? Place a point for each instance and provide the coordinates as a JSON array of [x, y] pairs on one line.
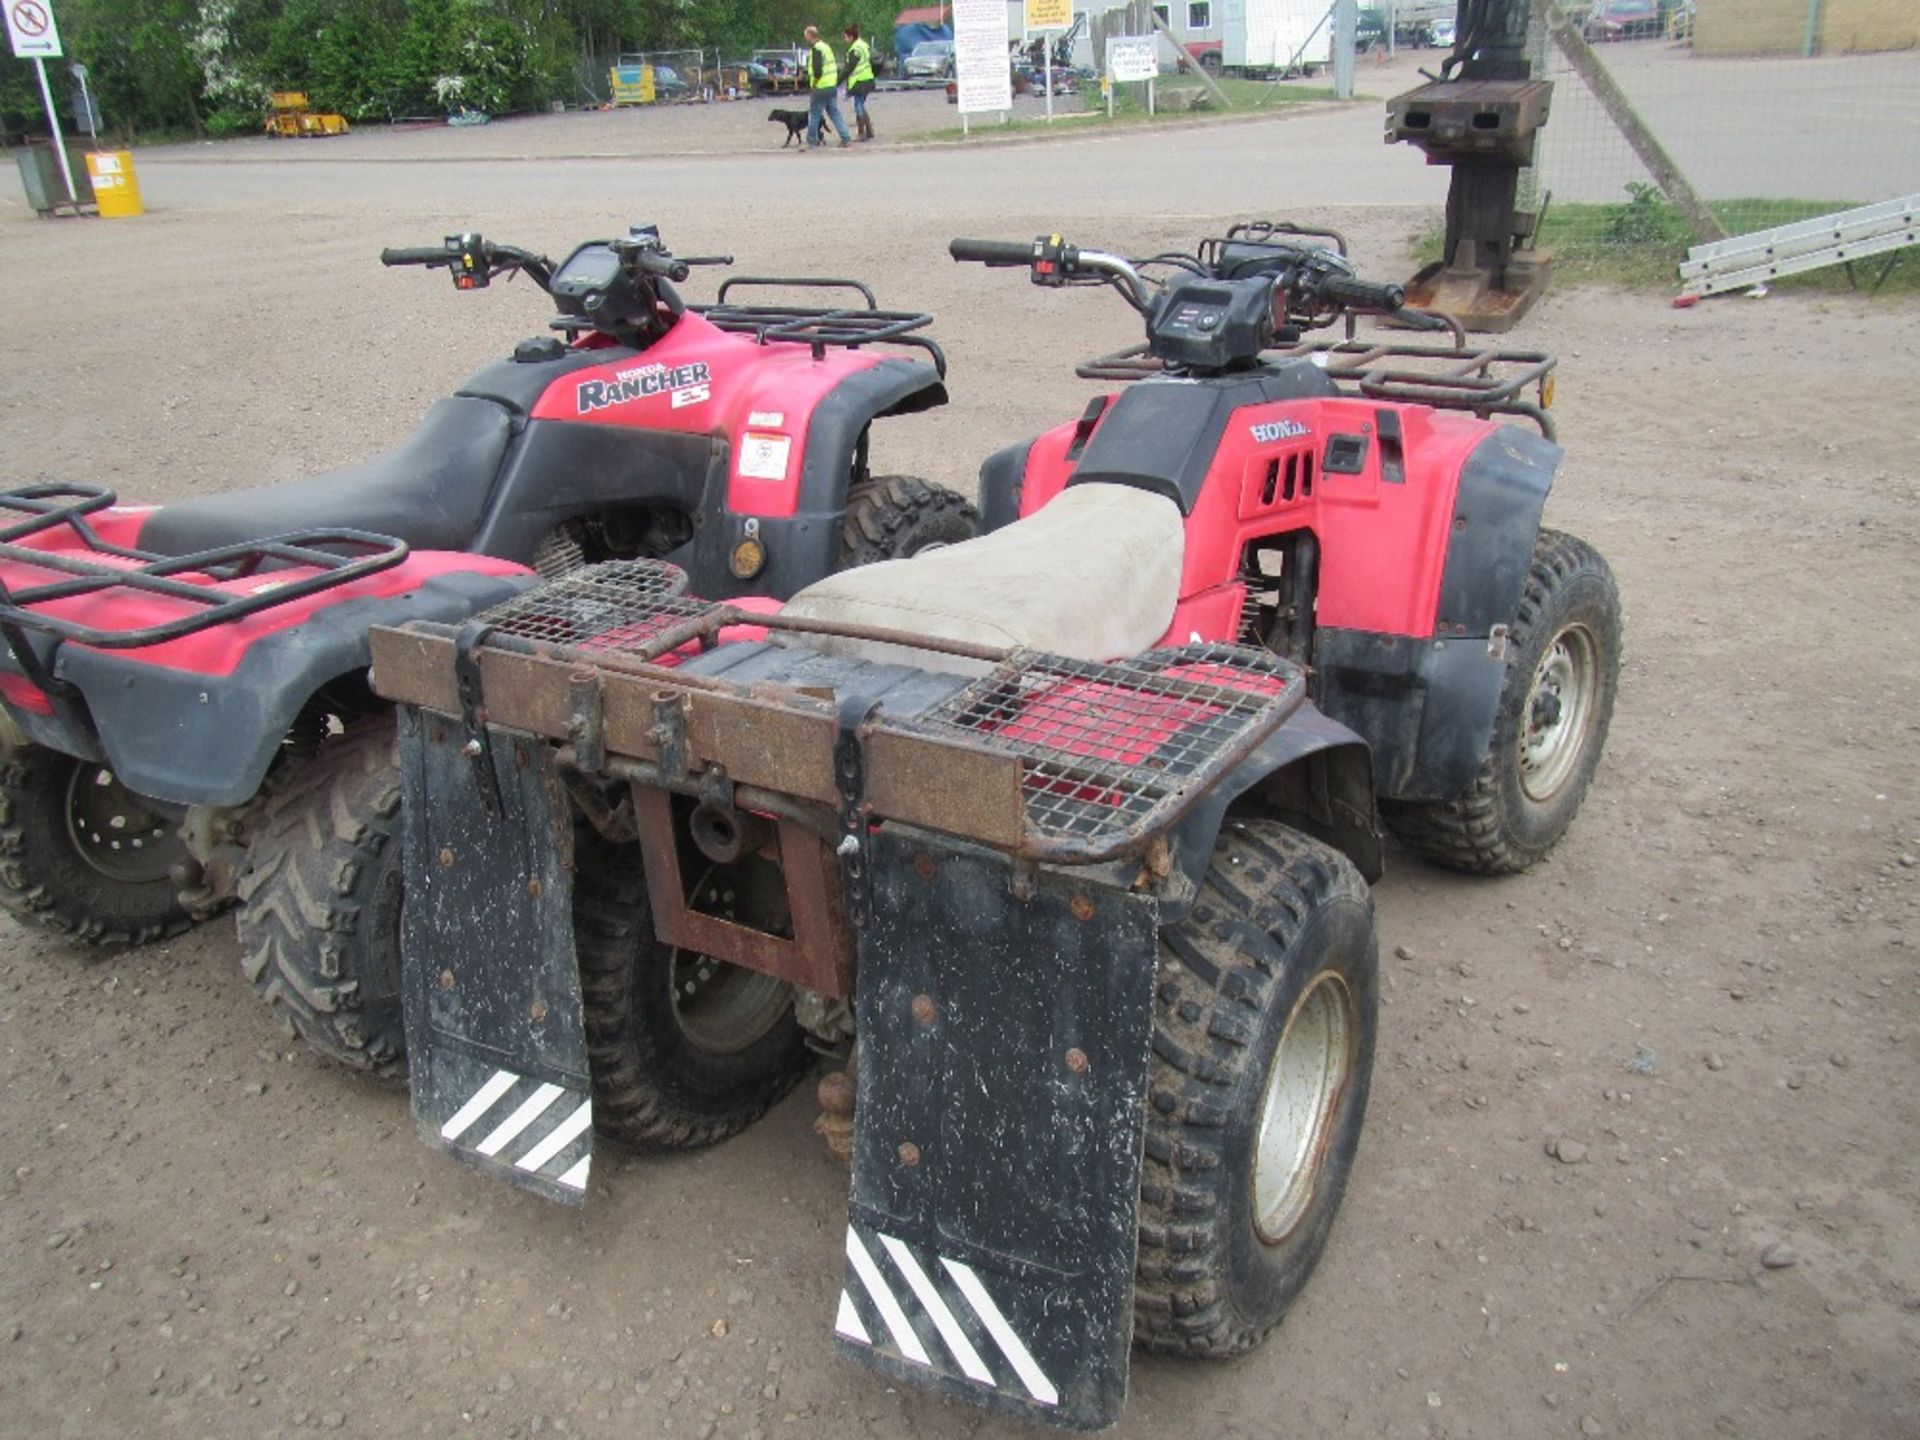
[[20, 691]]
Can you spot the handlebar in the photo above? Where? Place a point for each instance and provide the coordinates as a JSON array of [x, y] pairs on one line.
[[665, 266], [474, 261], [1359, 294], [999, 253], [1054, 263], [418, 255]]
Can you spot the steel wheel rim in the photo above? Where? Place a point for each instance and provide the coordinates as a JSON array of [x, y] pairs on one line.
[[724, 1008], [1307, 1077], [116, 831], [1557, 719]]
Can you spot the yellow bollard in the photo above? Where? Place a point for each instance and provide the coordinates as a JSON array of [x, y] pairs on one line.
[[115, 189]]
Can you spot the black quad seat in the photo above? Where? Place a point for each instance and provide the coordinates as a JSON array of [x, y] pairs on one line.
[[431, 490]]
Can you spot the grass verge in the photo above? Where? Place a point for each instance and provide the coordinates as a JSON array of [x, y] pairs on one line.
[[1178, 97], [1640, 243]]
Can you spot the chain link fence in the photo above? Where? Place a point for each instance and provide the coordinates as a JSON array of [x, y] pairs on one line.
[[1770, 118], [665, 77]]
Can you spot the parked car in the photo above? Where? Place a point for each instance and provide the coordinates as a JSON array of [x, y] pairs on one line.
[[1443, 34], [931, 59], [1371, 30], [1623, 19], [667, 84]]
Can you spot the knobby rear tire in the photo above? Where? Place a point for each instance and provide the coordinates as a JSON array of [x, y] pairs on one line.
[[320, 901], [890, 517], [654, 1085], [1280, 942], [46, 878]]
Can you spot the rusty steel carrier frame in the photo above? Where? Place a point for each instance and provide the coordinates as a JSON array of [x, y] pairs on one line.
[[978, 857]]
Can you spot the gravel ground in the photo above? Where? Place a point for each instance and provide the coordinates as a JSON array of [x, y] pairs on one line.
[[1608, 1092]]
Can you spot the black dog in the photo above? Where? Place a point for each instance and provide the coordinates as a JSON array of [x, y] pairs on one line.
[[794, 120]]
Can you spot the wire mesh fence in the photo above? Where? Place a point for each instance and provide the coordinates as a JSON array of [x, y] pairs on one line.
[[663, 77], [1763, 131]]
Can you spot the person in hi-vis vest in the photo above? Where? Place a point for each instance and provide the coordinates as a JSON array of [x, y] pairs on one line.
[[859, 79], [823, 90]]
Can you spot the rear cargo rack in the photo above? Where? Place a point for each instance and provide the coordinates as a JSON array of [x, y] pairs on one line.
[[90, 565], [1480, 380], [819, 327], [1051, 759], [1114, 752]]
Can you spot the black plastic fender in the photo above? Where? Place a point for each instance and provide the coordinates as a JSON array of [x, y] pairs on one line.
[[1314, 773], [805, 546], [208, 739], [1426, 705], [1003, 476]]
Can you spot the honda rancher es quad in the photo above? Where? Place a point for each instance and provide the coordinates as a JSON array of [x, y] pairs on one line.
[[1057, 841], [186, 713]]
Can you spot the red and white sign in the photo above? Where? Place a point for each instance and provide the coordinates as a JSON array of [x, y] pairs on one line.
[[31, 29]]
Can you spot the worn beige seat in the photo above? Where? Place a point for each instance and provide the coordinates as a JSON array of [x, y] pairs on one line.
[[1093, 575]]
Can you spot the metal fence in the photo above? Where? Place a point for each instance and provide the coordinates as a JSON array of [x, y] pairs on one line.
[[1768, 121], [678, 77]]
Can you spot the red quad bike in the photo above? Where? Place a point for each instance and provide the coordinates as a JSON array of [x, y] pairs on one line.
[[1058, 840], [187, 717]]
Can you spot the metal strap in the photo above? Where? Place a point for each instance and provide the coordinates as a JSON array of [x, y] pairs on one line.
[[850, 779], [473, 711]]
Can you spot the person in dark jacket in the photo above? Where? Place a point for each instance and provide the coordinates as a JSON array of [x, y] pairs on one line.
[[823, 90]]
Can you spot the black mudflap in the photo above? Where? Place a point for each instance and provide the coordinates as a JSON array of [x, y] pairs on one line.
[[996, 1171], [496, 1044]]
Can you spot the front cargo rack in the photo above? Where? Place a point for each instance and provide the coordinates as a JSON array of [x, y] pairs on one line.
[[89, 564], [1050, 758], [820, 327], [1480, 380]]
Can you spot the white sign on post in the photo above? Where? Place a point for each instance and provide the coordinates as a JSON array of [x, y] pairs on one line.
[[1133, 59], [31, 29], [982, 67]]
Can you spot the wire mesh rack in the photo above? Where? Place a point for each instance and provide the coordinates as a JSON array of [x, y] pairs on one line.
[[1113, 750], [613, 608], [1109, 752]]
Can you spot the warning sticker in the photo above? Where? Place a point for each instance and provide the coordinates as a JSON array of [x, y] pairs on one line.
[[764, 457]]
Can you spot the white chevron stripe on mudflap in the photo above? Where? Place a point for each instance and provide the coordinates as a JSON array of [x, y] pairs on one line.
[[558, 1138], [884, 1300], [484, 1099], [1022, 1361], [530, 1110], [923, 1289], [544, 1151], [847, 1322]]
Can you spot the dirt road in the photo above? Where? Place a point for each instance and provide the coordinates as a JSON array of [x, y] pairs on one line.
[[1707, 1002]]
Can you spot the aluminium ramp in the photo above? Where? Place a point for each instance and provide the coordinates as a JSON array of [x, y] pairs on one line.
[[1835, 239]]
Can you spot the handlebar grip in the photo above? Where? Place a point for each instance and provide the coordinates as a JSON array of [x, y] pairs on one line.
[[663, 265], [993, 252], [418, 255], [1363, 294]]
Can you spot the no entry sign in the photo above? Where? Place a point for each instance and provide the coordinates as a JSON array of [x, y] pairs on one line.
[[31, 29]]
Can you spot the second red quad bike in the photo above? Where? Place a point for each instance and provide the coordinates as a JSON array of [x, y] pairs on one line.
[[1057, 840], [186, 714]]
